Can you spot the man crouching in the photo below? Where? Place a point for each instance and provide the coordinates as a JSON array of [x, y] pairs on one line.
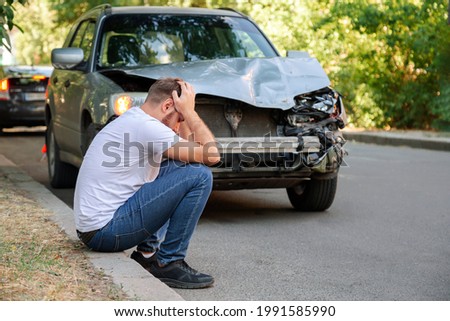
[[144, 182]]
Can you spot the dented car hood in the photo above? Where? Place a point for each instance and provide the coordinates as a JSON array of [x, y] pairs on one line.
[[262, 82]]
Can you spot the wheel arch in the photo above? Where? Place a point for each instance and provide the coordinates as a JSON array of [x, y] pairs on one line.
[[48, 114], [86, 119]]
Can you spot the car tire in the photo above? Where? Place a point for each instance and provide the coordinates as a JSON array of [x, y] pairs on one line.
[[61, 174], [313, 196]]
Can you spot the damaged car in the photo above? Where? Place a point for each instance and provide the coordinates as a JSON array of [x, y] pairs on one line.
[[276, 119]]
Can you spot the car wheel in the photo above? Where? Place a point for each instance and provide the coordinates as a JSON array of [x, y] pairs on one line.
[[314, 195], [62, 175]]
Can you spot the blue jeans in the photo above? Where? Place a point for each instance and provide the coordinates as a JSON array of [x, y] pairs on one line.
[[164, 211]]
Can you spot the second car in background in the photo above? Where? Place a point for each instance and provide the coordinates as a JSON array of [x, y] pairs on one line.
[[22, 95]]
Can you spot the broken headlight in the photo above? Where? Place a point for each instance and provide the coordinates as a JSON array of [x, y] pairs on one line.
[[315, 110], [313, 107], [319, 114]]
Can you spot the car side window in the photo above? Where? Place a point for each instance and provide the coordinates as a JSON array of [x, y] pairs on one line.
[[84, 38]]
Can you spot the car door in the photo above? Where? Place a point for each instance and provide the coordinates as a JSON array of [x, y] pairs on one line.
[[71, 86]]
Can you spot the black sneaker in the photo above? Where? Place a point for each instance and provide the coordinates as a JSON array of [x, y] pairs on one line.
[[145, 262], [179, 274]]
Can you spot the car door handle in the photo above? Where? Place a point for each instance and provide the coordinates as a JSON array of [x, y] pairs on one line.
[[67, 83]]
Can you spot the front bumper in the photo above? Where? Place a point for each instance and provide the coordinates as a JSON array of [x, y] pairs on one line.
[[270, 162]]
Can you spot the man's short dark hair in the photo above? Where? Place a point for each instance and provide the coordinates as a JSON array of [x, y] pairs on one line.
[[163, 88]]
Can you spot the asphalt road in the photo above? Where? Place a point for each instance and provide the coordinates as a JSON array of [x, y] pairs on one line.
[[23, 146], [386, 237]]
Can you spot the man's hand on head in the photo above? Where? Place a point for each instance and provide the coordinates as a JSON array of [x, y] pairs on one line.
[[201, 145], [185, 103]]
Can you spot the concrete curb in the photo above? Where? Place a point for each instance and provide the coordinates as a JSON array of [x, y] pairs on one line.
[[126, 273], [413, 140]]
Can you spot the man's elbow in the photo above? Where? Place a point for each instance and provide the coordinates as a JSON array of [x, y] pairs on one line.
[[211, 160], [211, 155]]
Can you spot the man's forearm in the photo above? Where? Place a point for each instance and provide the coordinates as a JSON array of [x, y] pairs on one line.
[[198, 131], [201, 146], [202, 135]]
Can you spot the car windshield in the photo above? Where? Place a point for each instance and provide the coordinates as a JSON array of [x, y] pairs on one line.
[[139, 40]]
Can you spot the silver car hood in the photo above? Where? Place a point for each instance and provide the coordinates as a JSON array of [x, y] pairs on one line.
[[262, 82]]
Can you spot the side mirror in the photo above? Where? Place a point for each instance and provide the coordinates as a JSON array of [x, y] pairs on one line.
[[297, 54], [66, 58]]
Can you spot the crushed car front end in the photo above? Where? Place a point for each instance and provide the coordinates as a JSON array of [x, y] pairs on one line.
[[278, 148], [276, 120]]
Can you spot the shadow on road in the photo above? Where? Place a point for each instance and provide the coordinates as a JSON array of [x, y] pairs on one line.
[[253, 205]]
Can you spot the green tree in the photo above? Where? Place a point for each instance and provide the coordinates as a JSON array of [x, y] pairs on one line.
[[388, 58], [40, 33], [396, 52], [7, 21], [69, 10]]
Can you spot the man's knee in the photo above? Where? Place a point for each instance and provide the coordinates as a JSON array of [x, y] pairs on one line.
[[203, 172]]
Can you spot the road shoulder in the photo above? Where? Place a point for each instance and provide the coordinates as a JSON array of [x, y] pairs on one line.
[[137, 283], [411, 138]]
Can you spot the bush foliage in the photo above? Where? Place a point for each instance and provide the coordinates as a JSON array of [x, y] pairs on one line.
[[389, 59]]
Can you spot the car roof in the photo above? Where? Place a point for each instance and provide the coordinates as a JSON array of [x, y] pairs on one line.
[[23, 70], [175, 10], [108, 10]]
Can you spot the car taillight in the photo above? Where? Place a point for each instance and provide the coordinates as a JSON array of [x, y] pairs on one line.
[[122, 104], [46, 89], [4, 89], [38, 77]]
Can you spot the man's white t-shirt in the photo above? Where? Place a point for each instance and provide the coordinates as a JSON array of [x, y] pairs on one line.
[[123, 156]]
